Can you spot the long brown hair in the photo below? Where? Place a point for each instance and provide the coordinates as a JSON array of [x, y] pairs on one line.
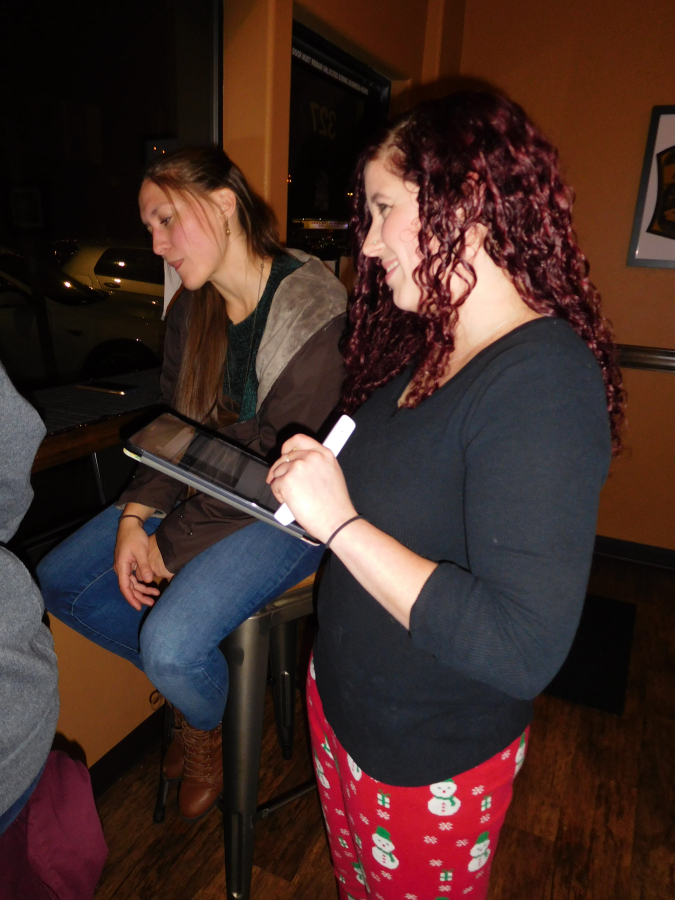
[[518, 193], [193, 174]]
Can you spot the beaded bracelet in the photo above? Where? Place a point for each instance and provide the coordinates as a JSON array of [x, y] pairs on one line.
[[338, 530]]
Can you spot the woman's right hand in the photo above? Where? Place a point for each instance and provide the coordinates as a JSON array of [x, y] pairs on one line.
[[132, 564]]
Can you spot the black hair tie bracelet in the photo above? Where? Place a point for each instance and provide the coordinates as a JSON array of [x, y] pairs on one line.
[[338, 530]]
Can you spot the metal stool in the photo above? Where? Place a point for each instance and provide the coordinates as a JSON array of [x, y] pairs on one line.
[[270, 633]]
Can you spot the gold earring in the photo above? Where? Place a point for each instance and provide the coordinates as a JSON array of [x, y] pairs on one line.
[[227, 227]]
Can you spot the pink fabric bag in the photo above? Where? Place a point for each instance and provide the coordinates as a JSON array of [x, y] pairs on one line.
[[55, 849]]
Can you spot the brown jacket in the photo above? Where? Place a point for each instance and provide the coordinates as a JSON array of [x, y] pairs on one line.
[[300, 373]]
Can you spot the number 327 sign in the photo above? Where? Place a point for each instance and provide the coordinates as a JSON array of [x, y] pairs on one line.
[[323, 120]]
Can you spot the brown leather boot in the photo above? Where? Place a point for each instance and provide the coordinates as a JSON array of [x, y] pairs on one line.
[[172, 767], [202, 782]]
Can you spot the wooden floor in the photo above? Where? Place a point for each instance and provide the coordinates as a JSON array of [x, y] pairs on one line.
[[593, 816]]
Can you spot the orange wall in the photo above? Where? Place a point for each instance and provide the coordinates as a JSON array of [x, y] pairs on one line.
[[257, 93], [388, 34], [589, 73]]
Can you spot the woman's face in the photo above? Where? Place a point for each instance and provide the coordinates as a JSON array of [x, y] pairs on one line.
[[393, 235], [185, 232]]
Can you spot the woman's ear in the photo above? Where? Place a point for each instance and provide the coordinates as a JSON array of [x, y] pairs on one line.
[[473, 185], [225, 201]]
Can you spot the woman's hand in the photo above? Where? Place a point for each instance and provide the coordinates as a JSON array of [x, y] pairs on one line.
[[309, 479], [160, 571], [132, 562]]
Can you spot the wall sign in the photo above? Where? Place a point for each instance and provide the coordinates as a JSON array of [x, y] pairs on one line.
[[653, 238]]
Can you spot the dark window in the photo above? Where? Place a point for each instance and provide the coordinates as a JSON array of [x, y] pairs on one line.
[[90, 104], [336, 103], [11, 296], [134, 264], [15, 265], [53, 284]]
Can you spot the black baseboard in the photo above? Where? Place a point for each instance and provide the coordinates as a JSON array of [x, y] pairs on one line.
[[595, 672], [629, 551], [112, 765]]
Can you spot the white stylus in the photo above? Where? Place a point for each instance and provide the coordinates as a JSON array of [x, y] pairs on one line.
[[338, 437]]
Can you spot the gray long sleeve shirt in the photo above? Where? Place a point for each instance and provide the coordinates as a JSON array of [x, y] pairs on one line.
[[29, 699]]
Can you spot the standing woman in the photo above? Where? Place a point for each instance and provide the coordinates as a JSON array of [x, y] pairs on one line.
[[461, 517], [254, 330]]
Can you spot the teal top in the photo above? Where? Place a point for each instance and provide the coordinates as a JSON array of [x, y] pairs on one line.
[[243, 340]]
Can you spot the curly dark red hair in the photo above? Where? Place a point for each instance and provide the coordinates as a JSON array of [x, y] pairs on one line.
[[477, 159]]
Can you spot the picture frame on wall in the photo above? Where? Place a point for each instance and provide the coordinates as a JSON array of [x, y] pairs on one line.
[[653, 237]]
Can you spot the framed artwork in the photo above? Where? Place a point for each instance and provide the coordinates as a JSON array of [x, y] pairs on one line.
[[653, 238]]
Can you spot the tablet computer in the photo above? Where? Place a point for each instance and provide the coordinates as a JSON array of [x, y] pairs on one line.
[[212, 465]]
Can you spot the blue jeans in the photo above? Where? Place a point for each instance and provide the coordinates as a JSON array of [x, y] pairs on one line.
[[176, 641], [10, 814]]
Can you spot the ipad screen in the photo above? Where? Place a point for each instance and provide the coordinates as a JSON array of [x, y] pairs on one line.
[[207, 456]]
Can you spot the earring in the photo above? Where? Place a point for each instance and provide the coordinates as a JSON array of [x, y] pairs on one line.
[[227, 227]]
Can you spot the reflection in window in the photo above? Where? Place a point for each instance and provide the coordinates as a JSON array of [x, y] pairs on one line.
[[90, 90]]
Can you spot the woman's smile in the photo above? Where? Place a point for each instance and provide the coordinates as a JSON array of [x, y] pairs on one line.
[[389, 267]]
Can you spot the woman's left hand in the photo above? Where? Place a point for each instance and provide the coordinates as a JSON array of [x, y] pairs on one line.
[[159, 570], [308, 478]]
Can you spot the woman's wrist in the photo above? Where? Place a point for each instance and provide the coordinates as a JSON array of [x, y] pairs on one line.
[[136, 514], [334, 522], [339, 529]]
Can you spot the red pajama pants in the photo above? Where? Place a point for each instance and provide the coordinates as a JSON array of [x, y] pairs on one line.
[[409, 843]]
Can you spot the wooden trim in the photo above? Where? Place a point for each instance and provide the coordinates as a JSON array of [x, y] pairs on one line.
[[83, 439], [645, 554], [656, 359]]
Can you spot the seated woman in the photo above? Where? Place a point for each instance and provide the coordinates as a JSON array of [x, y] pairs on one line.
[[462, 515], [256, 329]]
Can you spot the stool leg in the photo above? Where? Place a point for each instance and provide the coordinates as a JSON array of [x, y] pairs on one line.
[[246, 651], [163, 786], [283, 655]]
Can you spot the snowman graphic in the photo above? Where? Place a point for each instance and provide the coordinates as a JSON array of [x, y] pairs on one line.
[[360, 874], [382, 849], [326, 747], [320, 773], [443, 803], [480, 852], [354, 769], [520, 755]]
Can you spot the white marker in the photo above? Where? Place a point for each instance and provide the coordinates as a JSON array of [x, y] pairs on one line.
[[338, 437]]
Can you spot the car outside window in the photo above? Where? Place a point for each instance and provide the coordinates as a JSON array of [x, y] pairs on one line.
[[15, 265], [132, 264]]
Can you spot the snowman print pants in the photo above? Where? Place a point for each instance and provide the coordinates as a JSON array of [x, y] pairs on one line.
[[409, 843]]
